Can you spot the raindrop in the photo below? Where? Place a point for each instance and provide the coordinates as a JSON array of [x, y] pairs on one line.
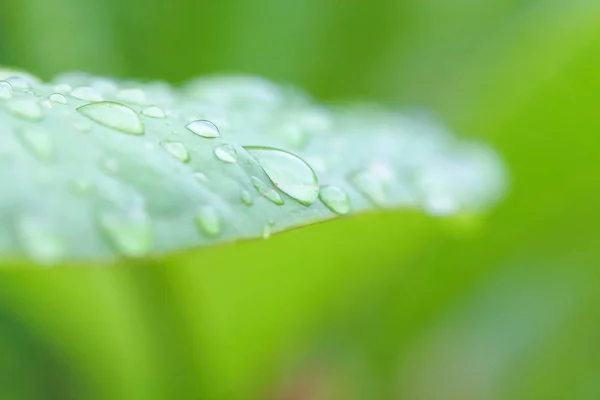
[[369, 185], [25, 108], [37, 142], [289, 173], [40, 241], [266, 233], [267, 191], [82, 126], [153, 112], [247, 198], [335, 199], [177, 150], [58, 98], [5, 90], [114, 115], [110, 165], [204, 128], [45, 103], [201, 177], [132, 235], [207, 220], [136, 96], [86, 93], [226, 153]]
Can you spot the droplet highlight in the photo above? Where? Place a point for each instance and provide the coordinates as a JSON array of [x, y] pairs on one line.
[[114, 115], [177, 150], [153, 112], [58, 98], [226, 153], [208, 222], [335, 199], [204, 128], [131, 235], [267, 191]]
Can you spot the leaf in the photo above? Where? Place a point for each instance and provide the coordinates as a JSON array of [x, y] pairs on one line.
[[95, 169]]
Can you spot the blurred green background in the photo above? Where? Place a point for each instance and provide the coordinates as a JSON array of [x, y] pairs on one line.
[[381, 306]]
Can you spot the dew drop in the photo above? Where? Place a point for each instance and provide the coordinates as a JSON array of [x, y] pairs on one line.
[[133, 95], [289, 173], [226, 153], [177, 150], [45, 103], [37, 141], [266, 233], [201, 177], [207, 220], [267, 191], [40, 241], [247, 198], [203, 128], [5, 90], [153, 112], [58, 98], [114, 115], [86, 93], [370, 186], [110, 165], [335, 199], [24, 108], [82, 126], [131, 235]]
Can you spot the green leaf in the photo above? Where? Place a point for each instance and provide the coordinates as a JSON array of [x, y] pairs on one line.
[[95, 169]]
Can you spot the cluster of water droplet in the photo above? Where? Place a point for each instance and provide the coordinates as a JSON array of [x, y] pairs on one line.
[[93, 167]]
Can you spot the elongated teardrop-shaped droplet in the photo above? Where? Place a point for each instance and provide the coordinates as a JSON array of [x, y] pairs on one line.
[[226, 153], [291, 174], [114, 115], [247, 198], [37, 141], [153, 112], [58, 98], [25, 108], [130, 235], [86, 93], [177, 150], [335, 199], [267, 191], [204, 128], [40, 241], [207, 220]]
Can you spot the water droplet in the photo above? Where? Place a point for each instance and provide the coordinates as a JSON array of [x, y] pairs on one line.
[[133, 95], [58, 98], [110, 165], [335, 199], [82, 126], [289, 173], [266, 233], [271, 222], [177, 150], [18, 83], [37, 142], [132, 235], [45, 103], [247, 198], [153, 112], [204, 128], [114, 115], [226, 153], [201, 177], [207, 220], [24, 108], [5, 90], [40, 241], [267, 191], [370, 186], [86, 93]]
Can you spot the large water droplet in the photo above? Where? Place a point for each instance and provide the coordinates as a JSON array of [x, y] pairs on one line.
[[132, 95], [207, 220], [371, 186], [86, 93], [37, 141], [335, 199], [247, 198], [58, 98], [204, 128], [153, 112], [40, 241], [267, 191], [132, 235], [5, 90], [114, 115], [24, 108], [177, 150], [226, 153], [289, 173]]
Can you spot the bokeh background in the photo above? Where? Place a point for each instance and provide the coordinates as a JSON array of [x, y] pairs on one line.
[[383, 306]]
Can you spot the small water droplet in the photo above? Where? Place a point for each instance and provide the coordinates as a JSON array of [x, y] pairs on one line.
[[266, 233], [247, 198], [40, 241], [271, 222], [58, 98], [18, 83], [335, 199], [5, 90], [132, 95], [45, 103], [201, 177], [110, 165], [82, 126], [207, 220], [290, 174], [370, 186], [114, 115], [153, 112], [37, 141], [267, 191], [86, 93], [204, 128], [24, 108], [226, 153], [177, 150], [132, 234]]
